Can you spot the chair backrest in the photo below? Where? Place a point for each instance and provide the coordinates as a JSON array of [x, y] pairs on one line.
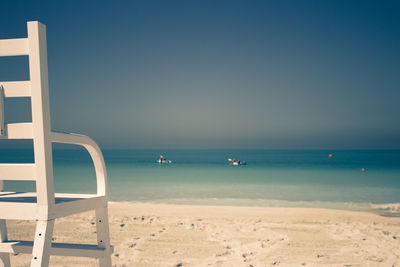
[[37, 88]]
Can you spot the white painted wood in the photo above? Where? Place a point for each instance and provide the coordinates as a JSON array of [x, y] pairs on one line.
[[22, 130], [45, 206], [3, 231], [2, 126], [23, 205], [42, 243], [20, 211], [95, 153], [14, 47], [41, 112], [16, 89], [4, 257], [77, 206], [59, 197], [59, 249], [23, 172], [103, 236]]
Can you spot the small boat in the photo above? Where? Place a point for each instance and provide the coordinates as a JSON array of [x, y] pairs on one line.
[[236, 162], [163, 160]]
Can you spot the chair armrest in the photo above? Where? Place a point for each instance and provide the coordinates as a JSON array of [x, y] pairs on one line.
[[94, 151]]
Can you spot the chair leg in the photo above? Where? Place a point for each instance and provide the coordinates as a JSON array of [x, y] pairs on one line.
[[103, 236], [5, 260], [42, 243], [4, 257]]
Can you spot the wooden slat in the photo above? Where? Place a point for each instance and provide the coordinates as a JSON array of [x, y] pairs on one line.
[[2, 126], [77, 206], [20, 211], [60, 197], [13, 204], [19, 130], [16, 89], [14, 47], [22, 172], [59, 249]]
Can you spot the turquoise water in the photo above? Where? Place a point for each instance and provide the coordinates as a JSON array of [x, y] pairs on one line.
[[307, 178]]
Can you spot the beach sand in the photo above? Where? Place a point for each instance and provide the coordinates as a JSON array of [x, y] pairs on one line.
[[184, 235]]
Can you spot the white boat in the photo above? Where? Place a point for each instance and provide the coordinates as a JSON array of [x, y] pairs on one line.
[[163, 160], [236, 162]]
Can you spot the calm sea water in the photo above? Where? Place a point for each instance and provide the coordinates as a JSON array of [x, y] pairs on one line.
[[307, 178]]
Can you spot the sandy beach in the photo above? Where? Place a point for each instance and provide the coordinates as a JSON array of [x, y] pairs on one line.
[[184, 235]]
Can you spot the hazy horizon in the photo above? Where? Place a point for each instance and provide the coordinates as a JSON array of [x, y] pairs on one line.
[[216, 75]]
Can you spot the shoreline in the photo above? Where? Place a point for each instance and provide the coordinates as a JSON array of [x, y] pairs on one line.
[[384, 209], [146, 234]]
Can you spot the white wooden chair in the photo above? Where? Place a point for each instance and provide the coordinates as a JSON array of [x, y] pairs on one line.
[[44, 205]]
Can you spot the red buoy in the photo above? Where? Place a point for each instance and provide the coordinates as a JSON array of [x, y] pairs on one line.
[[330, 155]]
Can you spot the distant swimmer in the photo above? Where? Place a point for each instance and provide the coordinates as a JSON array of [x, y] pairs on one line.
[[330, 156], [363, 169]]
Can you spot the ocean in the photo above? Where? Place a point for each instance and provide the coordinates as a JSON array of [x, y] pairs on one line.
[[350, 179]]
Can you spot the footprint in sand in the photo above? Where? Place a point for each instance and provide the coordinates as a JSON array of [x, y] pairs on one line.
[[226, 253]]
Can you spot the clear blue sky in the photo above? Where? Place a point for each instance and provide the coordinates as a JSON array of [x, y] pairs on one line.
[[217, 74]]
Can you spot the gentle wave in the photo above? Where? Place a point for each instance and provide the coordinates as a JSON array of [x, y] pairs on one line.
[[389, 207]]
